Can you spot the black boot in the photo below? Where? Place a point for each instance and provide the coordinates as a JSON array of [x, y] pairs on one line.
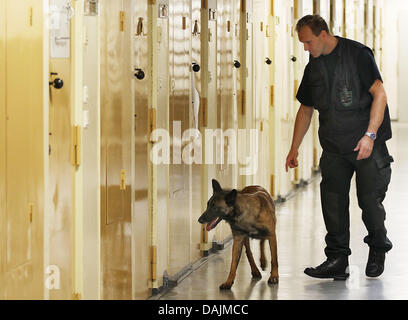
[[375, 263], [332, 268]]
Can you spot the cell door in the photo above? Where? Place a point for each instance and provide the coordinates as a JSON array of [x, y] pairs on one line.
[[25, 151], [359, 20], [140, 87], [180, 107], [244, 109], [162, 118], [60, 167], [116, 145], [225, 94], [283, 94], [209, 104], [368, 23], [261, 101]]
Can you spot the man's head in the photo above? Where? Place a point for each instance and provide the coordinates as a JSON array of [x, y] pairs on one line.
[[314, 33]]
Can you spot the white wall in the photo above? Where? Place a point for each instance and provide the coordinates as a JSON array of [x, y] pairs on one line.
[[395, 54], [403, 66]]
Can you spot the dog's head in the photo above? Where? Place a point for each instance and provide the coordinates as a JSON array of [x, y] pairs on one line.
[[219, 206]]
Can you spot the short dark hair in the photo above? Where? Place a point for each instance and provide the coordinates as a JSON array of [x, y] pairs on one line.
[[315, 22]]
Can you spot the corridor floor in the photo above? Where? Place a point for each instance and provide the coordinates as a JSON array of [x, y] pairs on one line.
[[301, 231]]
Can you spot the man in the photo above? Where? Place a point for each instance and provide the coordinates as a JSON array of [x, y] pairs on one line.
[[343, 83]]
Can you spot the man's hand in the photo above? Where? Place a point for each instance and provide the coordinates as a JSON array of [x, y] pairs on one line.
[[291, 159], [364, 148]]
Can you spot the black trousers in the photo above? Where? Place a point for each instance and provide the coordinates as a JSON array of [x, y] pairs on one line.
[[372, 178]]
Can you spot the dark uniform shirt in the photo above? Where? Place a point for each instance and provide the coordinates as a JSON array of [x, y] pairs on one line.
[[368, 73]]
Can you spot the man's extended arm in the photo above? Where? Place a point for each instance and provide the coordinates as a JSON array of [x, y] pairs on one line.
[[365, 145], [302, 124]]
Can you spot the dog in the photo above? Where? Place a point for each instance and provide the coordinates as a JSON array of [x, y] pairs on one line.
[[250, 214]]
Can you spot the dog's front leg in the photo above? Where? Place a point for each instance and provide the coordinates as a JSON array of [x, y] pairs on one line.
[[236, 254]]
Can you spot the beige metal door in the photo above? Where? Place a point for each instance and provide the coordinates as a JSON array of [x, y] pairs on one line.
[[261, 101], [359, 20], [196, 92], [377, 9], [60, 167], [23, 162], [349, 19], [140, 225], [180, 105], [116, 137], [225, 88], [208, 107], [283, 94], [162, 119], [3, 148], [91, 156], [303, 8], [244, 108], [368, 25]]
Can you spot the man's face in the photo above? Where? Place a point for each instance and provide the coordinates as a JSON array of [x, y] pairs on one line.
[[312, 43]]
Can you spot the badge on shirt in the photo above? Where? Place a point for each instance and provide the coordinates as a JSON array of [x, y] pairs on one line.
[[346, 96]]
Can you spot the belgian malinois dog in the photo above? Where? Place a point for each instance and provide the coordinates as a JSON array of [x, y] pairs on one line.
[[251, 214]]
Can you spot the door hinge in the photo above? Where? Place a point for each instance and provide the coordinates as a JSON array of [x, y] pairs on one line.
[[30, 16], [295, 88], [76, 296], [204, 111], [272, 96], [122, 180], [30, 212], [296, 175], [273, 185], [153, 263], [152, 121], [243, 102], [76, 146], [122, 21], [184, 23]]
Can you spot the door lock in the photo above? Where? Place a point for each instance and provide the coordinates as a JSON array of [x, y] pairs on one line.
[[57, 83], [139, 74], [196, 67]]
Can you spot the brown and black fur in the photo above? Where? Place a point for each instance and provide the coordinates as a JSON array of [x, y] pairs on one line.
[[251, 214]]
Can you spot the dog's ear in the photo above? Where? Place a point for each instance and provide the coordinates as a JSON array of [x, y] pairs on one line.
[[231, 197], [216, 186]]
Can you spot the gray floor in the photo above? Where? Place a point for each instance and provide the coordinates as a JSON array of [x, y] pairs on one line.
[[301, 234]]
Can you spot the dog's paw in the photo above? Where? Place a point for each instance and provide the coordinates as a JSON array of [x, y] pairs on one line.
[[226, 286], [256, 274], [273, 280]]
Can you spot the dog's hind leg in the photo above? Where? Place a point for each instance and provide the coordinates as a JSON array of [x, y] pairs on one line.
[[263, 257], [254, 270], [236, 254], [274, 278]]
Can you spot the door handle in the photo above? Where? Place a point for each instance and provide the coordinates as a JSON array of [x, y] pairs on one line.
[[237, 64], [293, 58], [139, 74], [268, 61], [58, 83], [196, 67]]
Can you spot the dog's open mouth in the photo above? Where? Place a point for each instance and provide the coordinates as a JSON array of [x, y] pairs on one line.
[[213, 223]]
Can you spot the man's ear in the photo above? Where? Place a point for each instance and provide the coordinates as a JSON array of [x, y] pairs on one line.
[[216, 186], [231, 197]]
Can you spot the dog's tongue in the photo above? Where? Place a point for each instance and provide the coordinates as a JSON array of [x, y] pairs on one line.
[[212, 224]]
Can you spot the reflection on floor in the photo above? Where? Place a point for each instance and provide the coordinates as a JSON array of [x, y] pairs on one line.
[[301, 234]]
